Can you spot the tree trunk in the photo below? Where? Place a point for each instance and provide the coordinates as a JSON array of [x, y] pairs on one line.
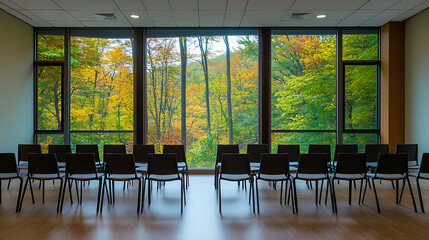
[[228, 90], [203, 49], [183, 63]]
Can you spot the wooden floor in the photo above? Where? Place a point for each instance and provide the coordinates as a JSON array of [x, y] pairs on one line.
[[201, 219]]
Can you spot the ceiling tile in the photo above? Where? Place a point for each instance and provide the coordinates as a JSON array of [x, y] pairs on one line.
[[423, 6], [186, 15], [308, 23], [363, 15], [331, 15], [100, 5], [212, 4], [236, 4], [187, 23], [184, 4], [388, 15], [258, 23], [269, 4], [66, 23], [379, 4], [327, 4], [163, 23], [143, 16], [136, 5], [60, 15], [374, 23], [118, 24], [231, 24], [351, 23], [407, 15], [8, 5], [156, 5], [89, 15], [211, 15], [234, 15], [270, 15], [407, 4], [36, 4], [94, 24], [159, 15]]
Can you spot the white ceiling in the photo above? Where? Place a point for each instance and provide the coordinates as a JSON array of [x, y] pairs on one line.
[[211, 13]]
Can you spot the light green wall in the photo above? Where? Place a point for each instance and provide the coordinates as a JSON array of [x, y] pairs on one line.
[[16, 82], [417, 80]]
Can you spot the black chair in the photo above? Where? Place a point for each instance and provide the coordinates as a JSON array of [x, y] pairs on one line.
[[312, 167], [162, 168], [344, 148], [141, 153], [412, 154], [255, 151], [81, 167], [60, 152], [235, 167], [114, 148], [372, 151], [274, 167], [91, 148], [8, 171], [24, 150], [321, 148], [423, 173], [350, 167], [221, 149], [120, 167], [391, 167], [182, 165], [43, 167], [293, 152]]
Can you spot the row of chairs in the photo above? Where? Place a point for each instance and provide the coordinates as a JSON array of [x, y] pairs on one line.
[[82, 167]]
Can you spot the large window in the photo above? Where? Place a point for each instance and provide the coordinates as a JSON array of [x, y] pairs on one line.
[[202, 90]]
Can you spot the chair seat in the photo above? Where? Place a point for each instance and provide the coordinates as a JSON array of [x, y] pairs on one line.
[[85, 176], [167, 177], [121, 177], [307, 176], [293, 169], [141, 164], [413, 166], [422, 175], [235, 177], [141, 169], [273, 177], [254, 169], [293, 164], [371, 164], [22, 166], [8, 175], [255, 164], [348, 176], [47, 176], [181, 164], [386, 176], [61, 164]]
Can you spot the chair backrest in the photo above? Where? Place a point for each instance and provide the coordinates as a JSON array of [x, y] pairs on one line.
[[345, 148], [179, 150], [60, 151], [141, 152], [274, 164], [293, 151], [8, 163], [25, 149], [162, 164], [80, 163], [321, 148], [351, 163], [221, 149], [312, 163], [424, 164], [373, 150], [410, 149], [89, 148], [394, 163], [114, 148], [42, 163], [256, 150], [120, 163], [235, 163]]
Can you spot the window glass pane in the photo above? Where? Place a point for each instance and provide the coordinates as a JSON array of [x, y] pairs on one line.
[[360, 46], [360, 97], [360, 139], [303, 94], [101, 83], [49, 99], [303, 139], [201, 64], [50, 45], [46, 139]]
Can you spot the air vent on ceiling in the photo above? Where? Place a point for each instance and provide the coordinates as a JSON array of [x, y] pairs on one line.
[[107, 16], [298, 16]]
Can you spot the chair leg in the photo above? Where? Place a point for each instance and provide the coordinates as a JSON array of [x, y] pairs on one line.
[[364, 191], [220, 199], [81, 191], [295, 195], [100, 185], [59, 195], [77, 192], [257, 194], [138, 197], [333, 196], [19, 194], [149, 191], [396, 191], [360, 191], [317, 189], [143, 193], [333, 200], [321, 188], [402, 191], [181, 194], [326, 193], [1, 191], [43, 192], [412, 195], [102, 195], [70, 193], [281, 192], [8, 185], [64, 193], [420, 195], [23, 194], [252, 188], [350, 192], [375, 194]]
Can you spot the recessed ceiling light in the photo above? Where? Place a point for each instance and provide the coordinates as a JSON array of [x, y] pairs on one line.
[[134, 16], [321, 16]]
